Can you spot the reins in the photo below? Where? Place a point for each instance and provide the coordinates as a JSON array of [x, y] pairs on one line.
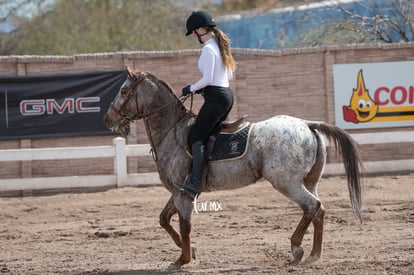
[[153, 151], [131, 92]]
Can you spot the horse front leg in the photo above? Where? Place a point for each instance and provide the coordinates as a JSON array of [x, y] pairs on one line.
[[165, 221], [183, 206], [186, 253]]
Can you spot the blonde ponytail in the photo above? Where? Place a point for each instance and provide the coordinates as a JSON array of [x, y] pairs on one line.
[[224, 44]]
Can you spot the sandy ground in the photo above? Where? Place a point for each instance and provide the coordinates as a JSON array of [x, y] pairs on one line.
[[117, 232]]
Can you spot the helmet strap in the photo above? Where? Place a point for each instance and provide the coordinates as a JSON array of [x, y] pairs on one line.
[[200, 35]]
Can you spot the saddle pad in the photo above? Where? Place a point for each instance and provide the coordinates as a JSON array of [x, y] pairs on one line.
[[230, 146]]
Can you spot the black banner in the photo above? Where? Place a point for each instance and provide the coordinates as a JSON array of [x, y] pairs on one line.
[[56, 105]]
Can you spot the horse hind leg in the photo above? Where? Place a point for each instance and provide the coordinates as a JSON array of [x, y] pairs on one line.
[[311, 181], [293, 187], [317, 221], [316, 252], [310, 205]]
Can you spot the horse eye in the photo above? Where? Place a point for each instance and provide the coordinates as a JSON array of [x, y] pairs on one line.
[[124, 91]]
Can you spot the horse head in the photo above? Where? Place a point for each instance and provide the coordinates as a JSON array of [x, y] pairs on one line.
[[140, 96], [124, 108]]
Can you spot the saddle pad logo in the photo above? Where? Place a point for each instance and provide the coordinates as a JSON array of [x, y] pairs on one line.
[[230, 146], [234, 147]]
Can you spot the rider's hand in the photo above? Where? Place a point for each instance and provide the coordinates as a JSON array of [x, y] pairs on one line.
[[186, 90]]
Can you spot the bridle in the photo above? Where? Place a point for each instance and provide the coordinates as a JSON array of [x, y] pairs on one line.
[[130, 92]]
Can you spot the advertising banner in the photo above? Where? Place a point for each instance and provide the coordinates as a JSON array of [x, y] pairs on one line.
[[374, 95], [56, 105]]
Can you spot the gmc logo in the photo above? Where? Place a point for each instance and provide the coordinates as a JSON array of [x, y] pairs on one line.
[[36, 107]]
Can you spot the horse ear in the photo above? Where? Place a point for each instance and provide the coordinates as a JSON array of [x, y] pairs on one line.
[[129, 72]]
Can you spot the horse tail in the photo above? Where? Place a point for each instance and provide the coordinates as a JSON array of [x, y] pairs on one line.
[[351, 159]]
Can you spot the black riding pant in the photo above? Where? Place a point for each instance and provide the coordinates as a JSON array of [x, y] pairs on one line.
[[218, 102]]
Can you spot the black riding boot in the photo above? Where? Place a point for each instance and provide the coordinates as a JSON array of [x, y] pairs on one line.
[[194, 187], [198, 153]]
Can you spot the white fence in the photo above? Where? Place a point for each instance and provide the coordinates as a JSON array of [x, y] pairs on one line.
[[378, 167], [119, 151]]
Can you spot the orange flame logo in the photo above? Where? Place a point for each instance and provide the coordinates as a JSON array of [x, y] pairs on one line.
[[362, 107]]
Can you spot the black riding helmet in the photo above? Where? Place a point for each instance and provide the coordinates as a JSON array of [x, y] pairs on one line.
[[199, 19]]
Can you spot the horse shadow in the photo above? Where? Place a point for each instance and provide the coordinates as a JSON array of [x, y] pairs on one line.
[[165, 272], [137, 272]]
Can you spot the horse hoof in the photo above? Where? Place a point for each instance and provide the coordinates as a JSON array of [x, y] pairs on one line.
[[310, 260], [173, 267], [193, 252], [297, 255]]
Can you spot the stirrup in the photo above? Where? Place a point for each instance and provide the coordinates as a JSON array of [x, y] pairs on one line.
[[181, 187]]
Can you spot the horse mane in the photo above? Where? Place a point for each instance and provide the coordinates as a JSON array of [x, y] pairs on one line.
[[163, 84], [137, 75], [156, 80]]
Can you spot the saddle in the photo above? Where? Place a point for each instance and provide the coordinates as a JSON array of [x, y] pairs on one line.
[[230, 141], [232, 126]]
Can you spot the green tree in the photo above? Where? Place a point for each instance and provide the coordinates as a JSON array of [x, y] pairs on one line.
[[88, 26]]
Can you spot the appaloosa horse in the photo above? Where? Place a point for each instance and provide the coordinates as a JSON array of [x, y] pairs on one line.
[[288, 152]]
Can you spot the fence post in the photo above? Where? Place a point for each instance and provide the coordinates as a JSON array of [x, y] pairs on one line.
[[120, 161]]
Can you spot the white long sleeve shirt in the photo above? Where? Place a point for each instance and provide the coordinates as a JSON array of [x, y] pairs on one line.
[[211, 67]]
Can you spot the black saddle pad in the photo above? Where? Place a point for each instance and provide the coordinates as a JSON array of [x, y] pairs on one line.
[[229, 146]]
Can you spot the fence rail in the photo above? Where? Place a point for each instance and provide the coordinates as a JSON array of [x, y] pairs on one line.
[[119, 151]]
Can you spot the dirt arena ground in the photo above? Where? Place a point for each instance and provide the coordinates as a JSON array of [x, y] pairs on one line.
[[246, 231]]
